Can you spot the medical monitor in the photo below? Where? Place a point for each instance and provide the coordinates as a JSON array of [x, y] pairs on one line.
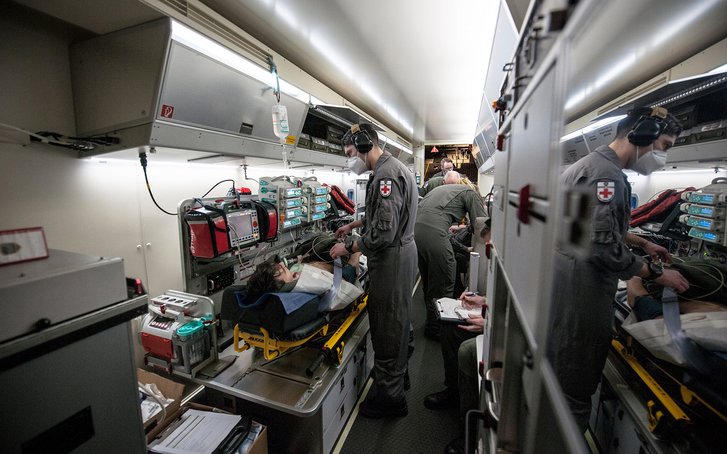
[[243, 227]]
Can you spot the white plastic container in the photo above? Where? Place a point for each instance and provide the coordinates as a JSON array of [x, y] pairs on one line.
[[280, 122]]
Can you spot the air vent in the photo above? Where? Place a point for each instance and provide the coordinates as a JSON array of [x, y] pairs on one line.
[[216, 29], [633, 95]]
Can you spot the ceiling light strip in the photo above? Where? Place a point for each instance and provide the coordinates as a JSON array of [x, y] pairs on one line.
[[211, 48], [692, 91], [205, 20], [208, 22]]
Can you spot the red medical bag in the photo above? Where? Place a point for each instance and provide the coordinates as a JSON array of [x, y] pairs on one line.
[[209, 237]]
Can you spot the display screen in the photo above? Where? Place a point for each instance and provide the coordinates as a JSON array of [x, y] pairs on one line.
[[709, 199], [702, 235], [295, 213], [704, 211], [704, 223], [241, 226]]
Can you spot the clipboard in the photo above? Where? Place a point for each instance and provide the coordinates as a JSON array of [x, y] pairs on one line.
[[450, 310]]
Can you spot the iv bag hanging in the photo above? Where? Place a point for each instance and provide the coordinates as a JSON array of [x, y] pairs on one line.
[[280, 122]]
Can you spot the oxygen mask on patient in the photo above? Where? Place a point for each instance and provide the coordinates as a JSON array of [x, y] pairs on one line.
[[289, 263], [283, 260], [286, 274]]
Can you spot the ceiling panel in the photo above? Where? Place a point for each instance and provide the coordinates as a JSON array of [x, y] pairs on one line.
[[419, 66], [98, 16]]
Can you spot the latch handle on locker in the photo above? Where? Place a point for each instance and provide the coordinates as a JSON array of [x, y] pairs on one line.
[[523, 208]]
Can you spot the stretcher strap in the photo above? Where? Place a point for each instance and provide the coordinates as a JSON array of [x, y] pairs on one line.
[[689, 350], [328, 297]]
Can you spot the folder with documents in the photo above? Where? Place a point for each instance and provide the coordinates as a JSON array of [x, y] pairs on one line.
[[201, 432]]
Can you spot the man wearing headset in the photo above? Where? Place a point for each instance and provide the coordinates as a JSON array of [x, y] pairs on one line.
[[387, 240], [445, 165], [584, 287]]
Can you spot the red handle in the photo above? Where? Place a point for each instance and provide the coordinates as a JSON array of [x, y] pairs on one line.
[[523, 212]]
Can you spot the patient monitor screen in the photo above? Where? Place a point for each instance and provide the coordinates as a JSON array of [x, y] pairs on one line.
[[242, 229]]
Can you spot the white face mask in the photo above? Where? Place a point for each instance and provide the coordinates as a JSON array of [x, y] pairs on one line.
[[650, 162], [356, 165]]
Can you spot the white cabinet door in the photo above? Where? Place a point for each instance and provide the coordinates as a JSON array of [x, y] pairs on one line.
[[84, 206], [171, 183]]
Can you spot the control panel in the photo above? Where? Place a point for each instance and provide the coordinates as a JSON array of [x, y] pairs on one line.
[[317, 199], [705, 212], [243, 226], [176, 304], [220, 279], [298, 200]]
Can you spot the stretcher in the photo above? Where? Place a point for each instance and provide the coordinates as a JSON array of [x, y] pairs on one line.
[[314, 334], [682, 406]]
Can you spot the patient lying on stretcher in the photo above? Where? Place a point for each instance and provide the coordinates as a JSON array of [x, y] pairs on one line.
[[647, 305], [308, 269]]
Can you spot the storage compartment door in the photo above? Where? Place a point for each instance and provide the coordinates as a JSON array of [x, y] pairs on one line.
[[200, 91]]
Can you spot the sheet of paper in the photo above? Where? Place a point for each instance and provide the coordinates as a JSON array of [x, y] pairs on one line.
[[451, 309], [200, 432], [464, 314]]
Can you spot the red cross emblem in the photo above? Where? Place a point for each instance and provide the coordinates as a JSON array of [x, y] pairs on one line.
[[605, 190], [385, 187]]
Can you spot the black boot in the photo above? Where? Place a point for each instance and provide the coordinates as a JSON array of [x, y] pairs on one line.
[[448, 398], [455, 446], [376, 409]]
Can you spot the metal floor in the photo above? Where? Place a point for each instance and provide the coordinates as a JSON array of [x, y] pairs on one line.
[[422, 431]]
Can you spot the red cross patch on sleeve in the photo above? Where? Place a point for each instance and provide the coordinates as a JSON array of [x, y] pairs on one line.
[[385, 187], [605, 190]]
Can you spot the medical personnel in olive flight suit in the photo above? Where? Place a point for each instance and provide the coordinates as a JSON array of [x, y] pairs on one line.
[[387, 241], [443, 207], [584, 287]]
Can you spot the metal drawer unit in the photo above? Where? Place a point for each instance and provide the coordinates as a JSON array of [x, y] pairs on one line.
[[345, 392], [302, 414]]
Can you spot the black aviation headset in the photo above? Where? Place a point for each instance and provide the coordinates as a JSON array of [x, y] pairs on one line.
[[361, 139], [648, 127]]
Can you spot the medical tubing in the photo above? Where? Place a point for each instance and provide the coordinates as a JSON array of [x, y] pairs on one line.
[[719, 279], [219, 183], [313, 251]]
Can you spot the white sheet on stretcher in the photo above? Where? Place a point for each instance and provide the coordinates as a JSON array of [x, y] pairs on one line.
[[318, 281], [708, 329]]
